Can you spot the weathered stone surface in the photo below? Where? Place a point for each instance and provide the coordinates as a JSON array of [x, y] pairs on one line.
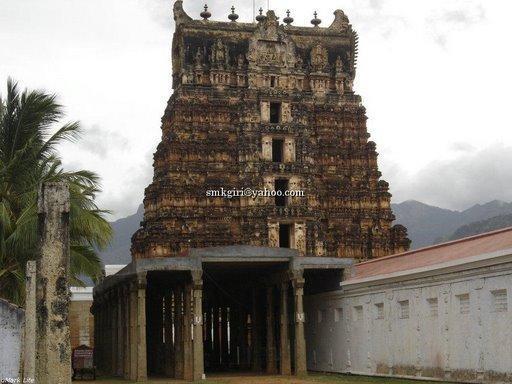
[[218, 130], [53, 358], [29, 337]]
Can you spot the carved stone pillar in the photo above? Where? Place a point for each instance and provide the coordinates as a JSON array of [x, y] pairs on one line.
[[300, 339], [285, 368], [197, 285], [141, 328], [271, 345]]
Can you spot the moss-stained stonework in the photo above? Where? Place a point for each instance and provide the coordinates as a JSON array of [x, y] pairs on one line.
[[229, 79]]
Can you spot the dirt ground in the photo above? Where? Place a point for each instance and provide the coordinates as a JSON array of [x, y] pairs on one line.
[[263, 379]]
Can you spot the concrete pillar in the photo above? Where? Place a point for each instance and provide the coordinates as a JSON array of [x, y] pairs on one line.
[[133, 331], [187, 335], [284, 347], [271, 345], [142, 374], [197, 285], [29, 337], [53, 356], [300, 339]]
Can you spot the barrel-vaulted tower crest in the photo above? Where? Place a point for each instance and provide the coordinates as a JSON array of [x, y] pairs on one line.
[[271, 106]]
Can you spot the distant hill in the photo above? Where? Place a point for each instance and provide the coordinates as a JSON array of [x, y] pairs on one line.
[[426, 225], [119, 250], [429, 225], [482, 226]]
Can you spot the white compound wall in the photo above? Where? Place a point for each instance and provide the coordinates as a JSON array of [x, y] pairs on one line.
[[11, 329], [448, 325]]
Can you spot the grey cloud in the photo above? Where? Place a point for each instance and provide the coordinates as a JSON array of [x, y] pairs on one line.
[[473, 177], [465, 16], [461, 146], [444, 21], [97, 141], [376, 4]]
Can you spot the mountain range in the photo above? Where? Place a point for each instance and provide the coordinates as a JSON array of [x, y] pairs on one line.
[[426, 225]]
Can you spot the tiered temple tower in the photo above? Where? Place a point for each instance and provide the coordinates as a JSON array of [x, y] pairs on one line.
[[218, 284], [266, 105]]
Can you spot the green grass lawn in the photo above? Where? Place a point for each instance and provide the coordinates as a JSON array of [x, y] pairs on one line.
[[312, 378]]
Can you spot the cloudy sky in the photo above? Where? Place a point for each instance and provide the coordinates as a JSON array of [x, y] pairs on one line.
[[435, 76]]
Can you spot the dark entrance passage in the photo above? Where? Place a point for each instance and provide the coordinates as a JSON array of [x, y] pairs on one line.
[[244, 307]]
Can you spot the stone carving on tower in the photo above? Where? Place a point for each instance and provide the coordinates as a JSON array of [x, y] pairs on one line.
[[266, 105]]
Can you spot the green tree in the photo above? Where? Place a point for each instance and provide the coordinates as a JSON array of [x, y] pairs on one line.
[[29, 157]]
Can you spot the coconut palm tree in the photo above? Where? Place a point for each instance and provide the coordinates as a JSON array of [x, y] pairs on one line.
[[28, 157]]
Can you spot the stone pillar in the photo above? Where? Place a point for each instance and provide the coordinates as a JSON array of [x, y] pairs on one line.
[[169, 345], [120, 332], [197, 286], [113, 332], [133, 331], [300, 339], [187, 336], [285, 368], [126, 334], [108, 334], [178, 332], [29, 338], [142, 374], [53, 356], [255, 334], [271, 345], [98, 333]]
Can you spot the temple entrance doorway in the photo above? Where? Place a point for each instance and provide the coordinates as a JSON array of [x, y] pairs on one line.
[[242, 313]]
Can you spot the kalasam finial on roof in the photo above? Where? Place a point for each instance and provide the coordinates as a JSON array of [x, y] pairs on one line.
[[233, 16], [288, 20], [316, 21], [205, 14], [261, 16]]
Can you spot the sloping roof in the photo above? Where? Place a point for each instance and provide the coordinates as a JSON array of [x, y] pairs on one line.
[[437, 254]]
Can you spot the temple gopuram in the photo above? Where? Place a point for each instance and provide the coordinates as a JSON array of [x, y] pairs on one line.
[[216, 283]]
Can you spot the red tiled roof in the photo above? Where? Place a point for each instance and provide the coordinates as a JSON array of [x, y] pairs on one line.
[[436, 254]]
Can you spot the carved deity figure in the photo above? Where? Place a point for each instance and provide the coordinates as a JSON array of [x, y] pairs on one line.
[[199, 58], [240, 61], [319, 57], [339, 65], [219, 53]]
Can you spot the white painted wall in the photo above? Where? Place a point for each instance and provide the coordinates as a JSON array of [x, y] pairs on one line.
[[11, 330], [474, 346]]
